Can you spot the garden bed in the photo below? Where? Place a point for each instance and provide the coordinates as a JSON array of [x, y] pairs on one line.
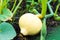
[[52, 25]]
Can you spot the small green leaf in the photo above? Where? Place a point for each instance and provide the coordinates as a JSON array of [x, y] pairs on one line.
[[5, 15], [6, 31]]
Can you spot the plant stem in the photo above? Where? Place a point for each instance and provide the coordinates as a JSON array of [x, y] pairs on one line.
[[14, 12], [35, 11], [39, 1], [14, 5], [56, 17], [32, 3], [43, 30], [51, 11], [0, 6], [44, 7], [56, 10], [5, 5]]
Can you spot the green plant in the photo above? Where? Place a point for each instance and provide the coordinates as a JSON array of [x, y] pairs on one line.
[[59, 1], [14, 5], [7, 31], [56, 17], [44, 8], [44, 27], [54, 34], [14, 12], [43, 30], [43, 15], [5, 13]]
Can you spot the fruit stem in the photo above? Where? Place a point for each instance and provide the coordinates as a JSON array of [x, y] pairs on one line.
[[44, 7]]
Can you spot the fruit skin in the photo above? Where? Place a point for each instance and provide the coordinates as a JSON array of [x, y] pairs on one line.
[[30, 24]]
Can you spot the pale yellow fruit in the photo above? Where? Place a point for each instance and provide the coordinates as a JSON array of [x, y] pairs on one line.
[[30, 24]]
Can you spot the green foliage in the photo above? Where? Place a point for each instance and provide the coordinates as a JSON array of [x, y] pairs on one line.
[[56, 16], [6, 15], [3, 4], [7, 31], [59, 1], [54, 34]]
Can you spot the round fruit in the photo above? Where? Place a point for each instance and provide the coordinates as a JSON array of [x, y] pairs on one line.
[[30, 24]]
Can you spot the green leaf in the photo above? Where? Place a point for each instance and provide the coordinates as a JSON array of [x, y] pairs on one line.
[[6, 0], [7, 31], [59, 1], [29, 0], [54, 34], [5, 15]]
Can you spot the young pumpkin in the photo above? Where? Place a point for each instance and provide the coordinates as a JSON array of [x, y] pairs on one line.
[[30, 24]]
